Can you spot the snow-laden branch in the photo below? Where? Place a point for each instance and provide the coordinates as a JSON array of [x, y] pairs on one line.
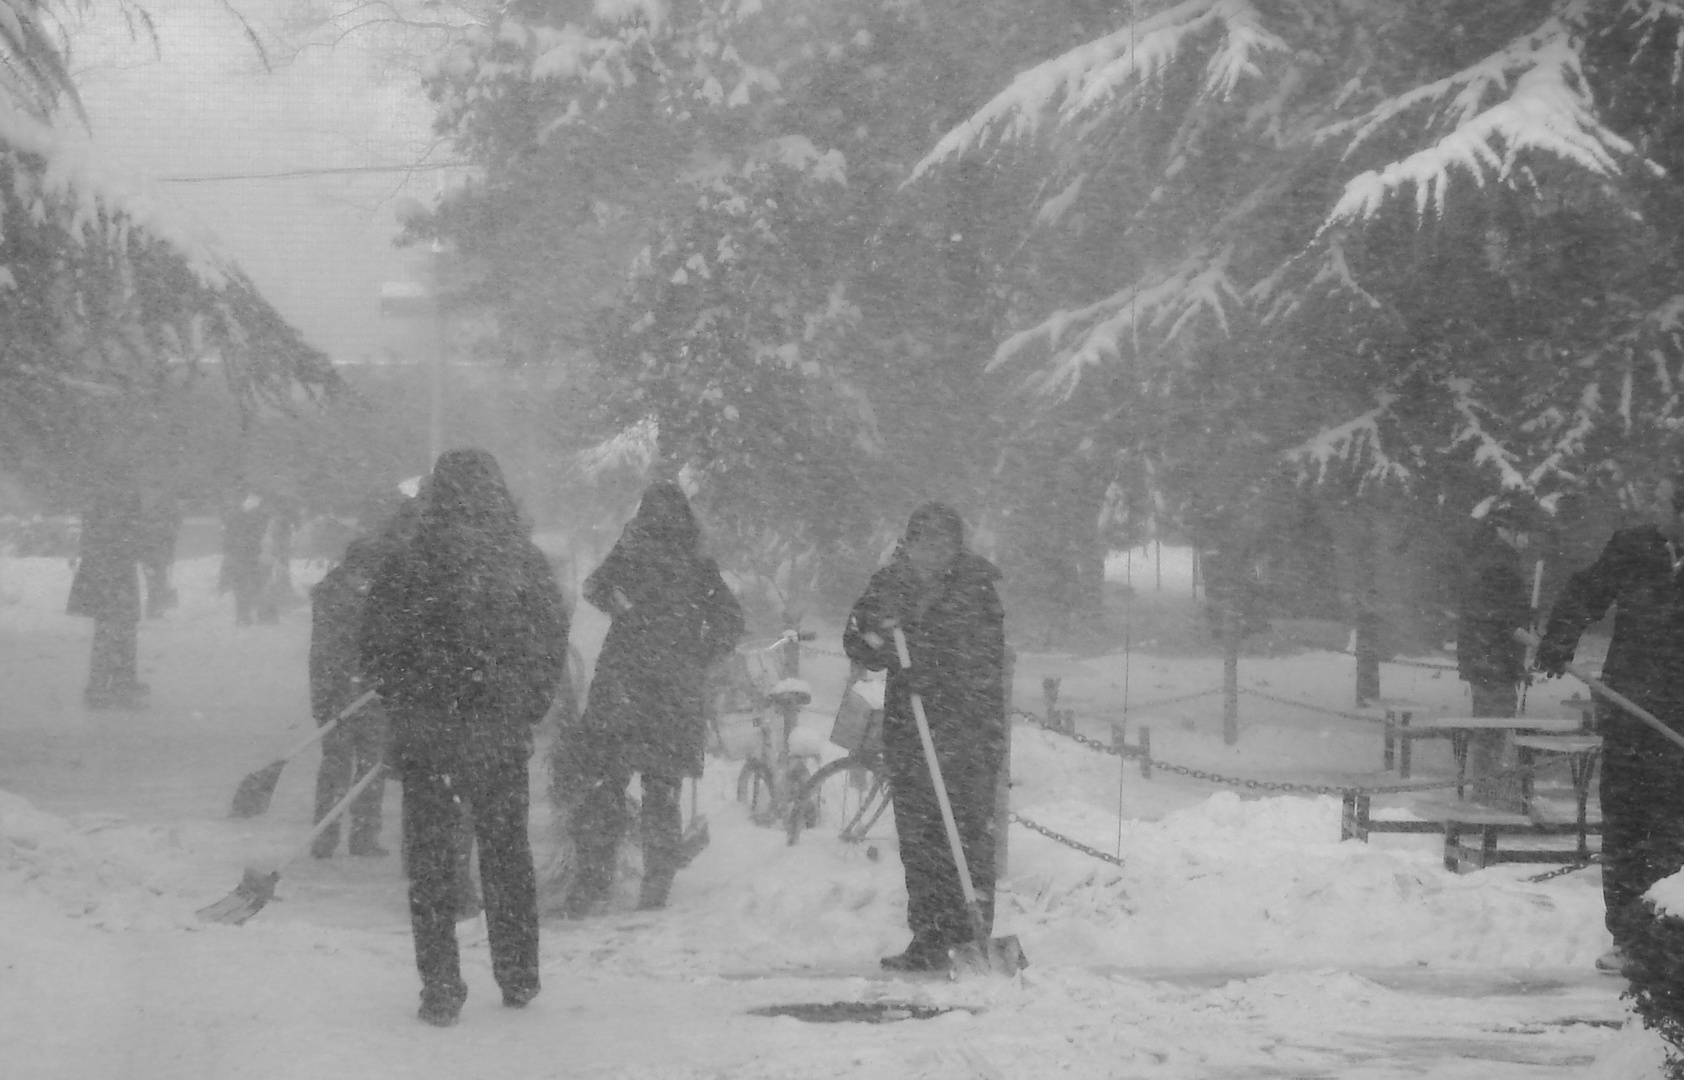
[[1547, 109], [1163, 307], [1350, 443], [1488, 449], [1093, 74]]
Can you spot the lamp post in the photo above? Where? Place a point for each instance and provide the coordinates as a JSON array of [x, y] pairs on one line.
[[418, 301]]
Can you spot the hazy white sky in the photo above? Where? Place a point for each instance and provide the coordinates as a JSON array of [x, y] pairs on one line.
[[200, 104]]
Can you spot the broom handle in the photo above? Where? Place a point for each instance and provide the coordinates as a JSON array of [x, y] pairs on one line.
[[321, 731], [947, 818], [1609, 692], [333, 815]]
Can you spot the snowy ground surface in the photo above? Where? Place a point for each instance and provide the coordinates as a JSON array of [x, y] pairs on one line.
[[1239, 938]]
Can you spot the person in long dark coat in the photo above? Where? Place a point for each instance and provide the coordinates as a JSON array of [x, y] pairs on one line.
[[944, 599], [1492, 605], [1642, 785], [357, 743], [106, 588], [466, 634], [673, 616], [245, 569], [160, 525]]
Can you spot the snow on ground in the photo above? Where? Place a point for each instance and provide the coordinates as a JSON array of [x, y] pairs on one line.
[[1238, 938]]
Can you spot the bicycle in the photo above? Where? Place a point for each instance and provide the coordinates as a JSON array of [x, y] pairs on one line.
[[749, 701], [853, 790]]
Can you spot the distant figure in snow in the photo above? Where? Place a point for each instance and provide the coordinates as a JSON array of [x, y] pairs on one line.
[[106, 588], [160, 524], [673, 617], [247, 565], [465, 632], [1642, 785], [943, 598], [1493, 604]]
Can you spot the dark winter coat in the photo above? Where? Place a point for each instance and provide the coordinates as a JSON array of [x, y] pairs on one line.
[[1493, 605], [1645, 660], [465, 629], [957, 647], [242, 548], [107, 582], [336, 618], [644, 710]]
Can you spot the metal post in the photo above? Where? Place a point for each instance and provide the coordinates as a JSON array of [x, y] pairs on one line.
[[435, 424], [1230, 673]]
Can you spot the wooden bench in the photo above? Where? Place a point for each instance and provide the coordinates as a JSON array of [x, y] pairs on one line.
[[1471, 832], [1460, 731]]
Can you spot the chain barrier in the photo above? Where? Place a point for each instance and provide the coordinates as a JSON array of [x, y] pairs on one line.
[[1077, 845], [1242, 782], [1175, 700], [1405, 663], [1310, 789], [1550, 875], [1307, 707]]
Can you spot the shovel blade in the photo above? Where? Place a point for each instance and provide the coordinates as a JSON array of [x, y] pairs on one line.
[[255, 889], [996, 956], [252, 797], [694, 840]]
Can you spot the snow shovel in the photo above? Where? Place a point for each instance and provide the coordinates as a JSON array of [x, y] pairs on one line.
[[1530, 639], [257, 887], [252, 797], [982, 955], [695, 837]]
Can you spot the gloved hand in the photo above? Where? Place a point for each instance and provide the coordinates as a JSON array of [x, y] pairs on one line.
[[1552, 659]]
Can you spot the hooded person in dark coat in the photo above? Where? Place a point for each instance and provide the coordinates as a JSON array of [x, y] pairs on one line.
[[466, 634], [673, 616], [1641, 572], [943, 598], [106, 588]]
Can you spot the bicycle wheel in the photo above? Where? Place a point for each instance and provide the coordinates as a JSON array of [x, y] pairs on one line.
[[850, 794]]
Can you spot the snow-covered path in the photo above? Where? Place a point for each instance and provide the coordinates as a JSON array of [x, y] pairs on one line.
[[1239, 938]]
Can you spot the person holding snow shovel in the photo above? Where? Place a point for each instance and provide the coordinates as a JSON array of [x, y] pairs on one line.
[[1641, 572], [465, 632], [943, 599], [357, 743]]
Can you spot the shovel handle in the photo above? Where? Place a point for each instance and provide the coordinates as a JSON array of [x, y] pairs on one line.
[[321, 732], [1531, 640], [947, 818], [332, 815]]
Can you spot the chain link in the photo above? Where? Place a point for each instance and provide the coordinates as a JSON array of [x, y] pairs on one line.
[[1550, 875], [1104, 856]]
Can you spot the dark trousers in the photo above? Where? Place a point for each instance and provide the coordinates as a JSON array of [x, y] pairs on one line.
[[935, 903], [1642, 792], [356, 745], [112, 663], [496, 793], [598, 823]]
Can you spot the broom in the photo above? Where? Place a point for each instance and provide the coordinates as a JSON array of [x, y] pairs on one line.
[[257, 887], [252, 797]]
